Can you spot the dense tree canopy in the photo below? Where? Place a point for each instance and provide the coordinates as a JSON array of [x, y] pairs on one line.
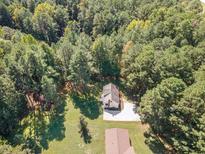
[[9, 104], [188, 120], [155, 50]]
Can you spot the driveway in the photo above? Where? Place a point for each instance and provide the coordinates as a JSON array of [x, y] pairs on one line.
[[127, 114]]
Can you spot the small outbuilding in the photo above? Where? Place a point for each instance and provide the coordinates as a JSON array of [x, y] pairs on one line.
[[111, 97], [117, 141]]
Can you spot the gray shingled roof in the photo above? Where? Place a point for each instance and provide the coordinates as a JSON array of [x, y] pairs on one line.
[[111, 92]]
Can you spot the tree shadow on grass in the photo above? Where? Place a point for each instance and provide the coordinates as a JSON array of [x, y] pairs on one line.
[[84, 131], [44, 127], [55, 130], [89, 106]]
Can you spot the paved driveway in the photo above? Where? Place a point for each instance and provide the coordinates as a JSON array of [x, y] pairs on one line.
[[127, 114]]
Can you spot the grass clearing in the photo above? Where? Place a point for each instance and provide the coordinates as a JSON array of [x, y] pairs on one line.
[[72, 143]]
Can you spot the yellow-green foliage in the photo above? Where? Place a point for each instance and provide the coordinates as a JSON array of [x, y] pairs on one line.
[[1, 32], [44, 8], [14, 7], [1, 53], [203, 5], [96, 44], [28, 39], [138, 23], [34, 123], [16, 12]]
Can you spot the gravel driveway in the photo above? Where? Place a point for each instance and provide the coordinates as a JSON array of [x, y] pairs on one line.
[[127, 114]]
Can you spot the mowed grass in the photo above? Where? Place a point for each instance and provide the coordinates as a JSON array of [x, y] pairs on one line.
[[72, 143]]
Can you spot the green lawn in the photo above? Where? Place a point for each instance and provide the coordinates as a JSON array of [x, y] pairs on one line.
[[72, 143]]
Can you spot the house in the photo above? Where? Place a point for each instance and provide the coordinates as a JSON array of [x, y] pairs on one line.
[[117, 141], [111, 97]]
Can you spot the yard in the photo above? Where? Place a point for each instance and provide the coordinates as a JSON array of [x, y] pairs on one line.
[[72, 143]]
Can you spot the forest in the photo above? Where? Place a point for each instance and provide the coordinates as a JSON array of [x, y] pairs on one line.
[[153, 49]]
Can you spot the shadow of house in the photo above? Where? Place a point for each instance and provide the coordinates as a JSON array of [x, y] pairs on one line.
[[89, 106], [113, 112]]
